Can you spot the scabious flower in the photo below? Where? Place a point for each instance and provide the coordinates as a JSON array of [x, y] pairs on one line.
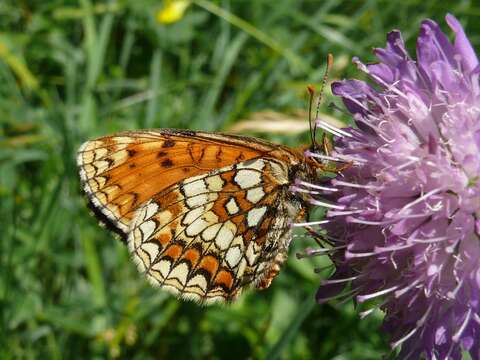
[[404, 230]]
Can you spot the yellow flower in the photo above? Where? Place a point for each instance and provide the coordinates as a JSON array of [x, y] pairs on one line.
[[172, 11]]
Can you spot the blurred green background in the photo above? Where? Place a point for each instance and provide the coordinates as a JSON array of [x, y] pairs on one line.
[[73, 70]]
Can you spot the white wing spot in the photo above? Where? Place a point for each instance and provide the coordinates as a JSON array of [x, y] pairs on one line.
[[194, 188], [258, 164], [163, 267], [210, 217], [101, 181], [209, 233], [197, 200], [136, 236], [119, 156], [192, 215], [88, 156], [124, 139], [247, 178], [252, 252], [150, 210], [180, 273], [93, 184], [255, 195], [232, 206], [100, 152], [214, 183], [151, 249], [196, 227], [144, 258], [241, 268], [198, 280], [147, 228], [164, 217], [255, 215], [225, 235], [88, 171], [233, 256], [101, 166]]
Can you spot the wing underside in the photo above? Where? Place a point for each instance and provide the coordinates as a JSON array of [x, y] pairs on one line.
[[203, 214], [209, 236], [121, 172]]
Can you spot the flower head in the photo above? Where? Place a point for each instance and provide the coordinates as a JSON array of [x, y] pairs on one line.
[[406, 220]]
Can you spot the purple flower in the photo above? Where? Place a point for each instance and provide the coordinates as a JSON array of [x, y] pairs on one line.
[[405, 227]]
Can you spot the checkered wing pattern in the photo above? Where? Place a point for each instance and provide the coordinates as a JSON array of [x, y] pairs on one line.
[[208, 236], [123, 171], [203, 214]]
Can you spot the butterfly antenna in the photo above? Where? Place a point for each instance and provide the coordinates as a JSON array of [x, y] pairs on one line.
[[320, 95], [311, 92]]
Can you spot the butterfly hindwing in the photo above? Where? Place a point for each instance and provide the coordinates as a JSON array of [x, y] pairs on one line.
[[208, 236]]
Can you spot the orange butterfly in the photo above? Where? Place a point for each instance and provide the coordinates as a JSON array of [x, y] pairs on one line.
[[203, 214]]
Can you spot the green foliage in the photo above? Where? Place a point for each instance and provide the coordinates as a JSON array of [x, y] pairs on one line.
[[72, 70]]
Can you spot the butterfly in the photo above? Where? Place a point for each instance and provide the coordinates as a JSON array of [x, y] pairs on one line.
[[204, 215]]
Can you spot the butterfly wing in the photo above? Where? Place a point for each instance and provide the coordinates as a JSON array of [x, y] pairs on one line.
[[208, 236], [123, 171]]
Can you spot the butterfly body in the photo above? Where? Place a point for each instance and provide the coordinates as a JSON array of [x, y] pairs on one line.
[[204, 215]]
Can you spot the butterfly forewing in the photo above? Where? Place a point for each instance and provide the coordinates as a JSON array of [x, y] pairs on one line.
[[204, 214], [123, 171]]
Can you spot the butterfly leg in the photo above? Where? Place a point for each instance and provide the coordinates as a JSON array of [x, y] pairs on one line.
[[326, 144], [327, 150], [273, 271]]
